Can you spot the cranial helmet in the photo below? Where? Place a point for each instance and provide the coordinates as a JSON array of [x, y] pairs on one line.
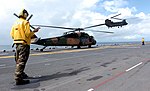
[[24, 14]]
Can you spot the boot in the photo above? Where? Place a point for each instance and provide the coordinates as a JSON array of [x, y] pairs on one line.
[[24, 76], [22, 82]]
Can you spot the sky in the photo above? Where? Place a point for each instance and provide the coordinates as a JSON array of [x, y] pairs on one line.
[[79, 14]]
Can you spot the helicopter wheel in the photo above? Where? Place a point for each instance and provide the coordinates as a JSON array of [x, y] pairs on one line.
[[89, 46], [78, 47], [41, 50], [72, 46]]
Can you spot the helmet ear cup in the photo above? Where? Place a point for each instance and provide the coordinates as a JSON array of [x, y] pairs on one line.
[[23, 14]]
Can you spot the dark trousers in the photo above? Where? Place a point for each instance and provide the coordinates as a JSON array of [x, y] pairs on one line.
[[143, 43], [21, 57]]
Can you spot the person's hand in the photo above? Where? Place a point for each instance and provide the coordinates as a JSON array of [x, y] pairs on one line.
[[36, 29]]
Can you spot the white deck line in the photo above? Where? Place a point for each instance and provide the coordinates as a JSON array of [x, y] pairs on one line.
[[134, 66]]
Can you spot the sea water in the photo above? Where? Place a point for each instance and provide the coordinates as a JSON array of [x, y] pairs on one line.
[[9, 47]]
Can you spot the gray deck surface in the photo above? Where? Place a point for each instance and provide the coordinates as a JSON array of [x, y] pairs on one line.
[[109, 68]]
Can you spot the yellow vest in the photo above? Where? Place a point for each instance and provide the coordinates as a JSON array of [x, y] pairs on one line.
[[21, 33], [142, 39]]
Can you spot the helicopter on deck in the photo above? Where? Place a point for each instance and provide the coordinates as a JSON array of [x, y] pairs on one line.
[[110, 23], [70, 38]]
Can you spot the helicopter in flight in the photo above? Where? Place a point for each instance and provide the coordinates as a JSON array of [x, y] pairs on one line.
[[110, 23], [71, 38]]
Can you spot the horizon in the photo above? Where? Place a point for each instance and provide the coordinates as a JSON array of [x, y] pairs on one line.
[[96, 43]]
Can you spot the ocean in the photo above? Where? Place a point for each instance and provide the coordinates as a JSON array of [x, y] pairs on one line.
[[9, 47]]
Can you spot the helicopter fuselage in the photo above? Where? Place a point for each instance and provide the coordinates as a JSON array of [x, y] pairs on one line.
[[72, 39], [110, 23]]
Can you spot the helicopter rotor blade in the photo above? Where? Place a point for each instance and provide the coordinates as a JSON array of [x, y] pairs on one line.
[[103, 31], [93, 26], [55, 27], [117, 18], [115, 15]]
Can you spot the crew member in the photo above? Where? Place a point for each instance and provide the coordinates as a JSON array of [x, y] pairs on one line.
[[21, 35], [143, 41]]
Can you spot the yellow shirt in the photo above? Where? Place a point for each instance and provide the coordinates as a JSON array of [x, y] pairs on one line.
[[142, 39], [20, 32]]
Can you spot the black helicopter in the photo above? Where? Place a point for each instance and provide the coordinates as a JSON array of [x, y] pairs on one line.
[[71, 38], [110, 23]]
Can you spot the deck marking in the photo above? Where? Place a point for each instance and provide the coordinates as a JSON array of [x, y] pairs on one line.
[[64, 51], [47, 64], [55, 60], [2, 65], [6, 57], [117, 75], [134, 66], [108, 80], [91, 89]]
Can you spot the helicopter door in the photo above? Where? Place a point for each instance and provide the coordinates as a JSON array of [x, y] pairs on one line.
[[73, 41]]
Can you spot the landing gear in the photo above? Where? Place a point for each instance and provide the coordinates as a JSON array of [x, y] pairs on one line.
[[72, 46], [43, 48], [89, 46], [78, 47]]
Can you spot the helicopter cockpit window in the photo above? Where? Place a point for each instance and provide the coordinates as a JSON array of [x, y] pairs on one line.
[[71, 35], [84, 35]]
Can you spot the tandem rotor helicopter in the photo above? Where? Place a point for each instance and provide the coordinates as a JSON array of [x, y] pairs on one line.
[[72, 38], [111, 24]]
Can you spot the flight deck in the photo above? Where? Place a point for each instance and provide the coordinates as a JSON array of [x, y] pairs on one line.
[[101, 68]]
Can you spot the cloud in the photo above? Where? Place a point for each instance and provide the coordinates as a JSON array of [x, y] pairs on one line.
[[114, 5], [7, 8], [130, 37], [88, 4], [76, 13]]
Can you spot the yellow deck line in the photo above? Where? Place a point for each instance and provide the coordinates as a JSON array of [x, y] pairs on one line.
[[67, 51], [6, 57]]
